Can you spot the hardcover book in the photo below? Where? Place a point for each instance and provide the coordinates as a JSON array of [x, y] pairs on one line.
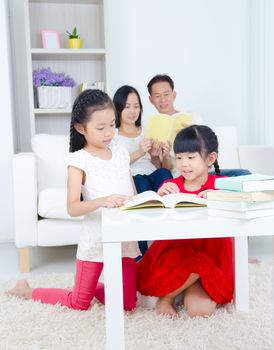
[[164, 127], [235, 196], [246, 183]]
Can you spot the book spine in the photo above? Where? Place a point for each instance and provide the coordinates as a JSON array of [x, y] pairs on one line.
[[229, 185]]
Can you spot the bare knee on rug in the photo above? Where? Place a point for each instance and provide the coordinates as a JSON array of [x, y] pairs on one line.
[[197, 302], [192, 278], [165, 304]]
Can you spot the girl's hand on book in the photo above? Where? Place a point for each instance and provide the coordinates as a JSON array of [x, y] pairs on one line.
[[168, 188], [203, 194], [115, 200]]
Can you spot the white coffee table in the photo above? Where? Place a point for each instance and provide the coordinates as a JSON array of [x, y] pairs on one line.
[[159, 224]]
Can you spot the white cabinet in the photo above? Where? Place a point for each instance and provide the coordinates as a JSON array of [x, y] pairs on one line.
[[88, 64]]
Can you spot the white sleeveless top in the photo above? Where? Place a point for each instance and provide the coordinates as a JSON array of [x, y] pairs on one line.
[[143, 165], [103, 178]]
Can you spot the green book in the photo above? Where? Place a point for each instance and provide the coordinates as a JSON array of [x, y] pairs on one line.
[[246, 183]]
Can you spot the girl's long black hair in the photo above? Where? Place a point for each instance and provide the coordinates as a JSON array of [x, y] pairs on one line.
[[88, 102], [120, 100], [197, 138]]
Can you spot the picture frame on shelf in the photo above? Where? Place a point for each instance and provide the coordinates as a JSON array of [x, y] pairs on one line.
[[50, 39]]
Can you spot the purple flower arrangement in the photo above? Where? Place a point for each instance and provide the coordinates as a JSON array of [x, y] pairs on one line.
[[45, 77]]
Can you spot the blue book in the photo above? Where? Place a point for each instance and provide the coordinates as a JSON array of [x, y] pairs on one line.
[[246, 183]]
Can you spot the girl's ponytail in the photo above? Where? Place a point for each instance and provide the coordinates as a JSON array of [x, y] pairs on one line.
[[216, 167]]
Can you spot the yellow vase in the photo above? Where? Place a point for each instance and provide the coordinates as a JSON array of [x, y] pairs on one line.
[[74, 43]]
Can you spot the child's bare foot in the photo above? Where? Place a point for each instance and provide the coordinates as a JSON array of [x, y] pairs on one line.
[[21, 290], [164, 306]]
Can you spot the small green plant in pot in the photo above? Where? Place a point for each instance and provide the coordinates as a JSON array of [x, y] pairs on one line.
[[74, 41]]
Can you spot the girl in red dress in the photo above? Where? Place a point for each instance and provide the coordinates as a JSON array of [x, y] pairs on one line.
[[200, 268]]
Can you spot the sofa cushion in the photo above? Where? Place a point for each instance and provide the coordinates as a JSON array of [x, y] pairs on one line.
[[228, 156], [51, 156], [52, 204]]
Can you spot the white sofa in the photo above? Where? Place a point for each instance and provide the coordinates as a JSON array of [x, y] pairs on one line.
[[41, 217]]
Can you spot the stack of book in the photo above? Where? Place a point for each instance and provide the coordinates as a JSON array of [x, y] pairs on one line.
[[243, 197]]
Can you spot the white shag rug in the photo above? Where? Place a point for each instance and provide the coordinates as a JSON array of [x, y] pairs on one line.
[[28, 325]]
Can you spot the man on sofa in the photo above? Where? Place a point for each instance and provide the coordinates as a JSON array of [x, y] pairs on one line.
[[162, 97]]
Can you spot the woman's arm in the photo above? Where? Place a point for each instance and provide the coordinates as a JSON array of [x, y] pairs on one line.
[[133, 184], [167, 162], [144, 146], [76, 207]]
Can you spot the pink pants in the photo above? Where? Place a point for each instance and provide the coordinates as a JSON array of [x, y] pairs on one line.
[[87, 286]]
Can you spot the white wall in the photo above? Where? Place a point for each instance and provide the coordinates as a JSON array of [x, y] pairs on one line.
[[202, 45], [262, 71], [6, 139]]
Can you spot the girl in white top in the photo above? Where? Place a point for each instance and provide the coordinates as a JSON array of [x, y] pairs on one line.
[[98, 169]]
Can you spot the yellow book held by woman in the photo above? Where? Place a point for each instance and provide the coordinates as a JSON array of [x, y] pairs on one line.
[[164, 127]]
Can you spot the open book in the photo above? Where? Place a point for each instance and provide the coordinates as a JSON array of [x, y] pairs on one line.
[[150, 199], [164, 127]]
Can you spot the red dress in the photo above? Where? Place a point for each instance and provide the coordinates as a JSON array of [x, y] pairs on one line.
[[167, 264]]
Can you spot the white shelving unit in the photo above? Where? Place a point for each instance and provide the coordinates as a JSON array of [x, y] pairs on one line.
[[88, 64]]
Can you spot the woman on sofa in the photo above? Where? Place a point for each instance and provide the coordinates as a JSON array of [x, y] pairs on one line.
[[150, 161]]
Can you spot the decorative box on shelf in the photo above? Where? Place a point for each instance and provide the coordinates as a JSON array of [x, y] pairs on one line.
[[53, 89], [54, 97]]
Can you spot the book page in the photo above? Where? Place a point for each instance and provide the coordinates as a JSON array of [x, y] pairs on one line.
[[183, 200], [143, 200]]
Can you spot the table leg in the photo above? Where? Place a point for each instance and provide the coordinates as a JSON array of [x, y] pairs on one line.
[[113, 296], [241, 292]]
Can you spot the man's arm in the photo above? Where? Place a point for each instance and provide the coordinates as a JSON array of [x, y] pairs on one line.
[[160, 155], [165, 157], [167, 162]]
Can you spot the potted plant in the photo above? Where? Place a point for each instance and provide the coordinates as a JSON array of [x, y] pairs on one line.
[[74, 41], [53, 89]]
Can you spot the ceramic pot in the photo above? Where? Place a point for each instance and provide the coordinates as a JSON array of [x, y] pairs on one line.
[[74, 43]]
